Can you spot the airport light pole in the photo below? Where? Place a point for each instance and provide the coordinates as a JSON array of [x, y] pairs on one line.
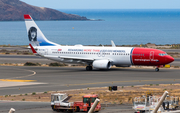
[[94, 106], [12, 110], [160, 102]]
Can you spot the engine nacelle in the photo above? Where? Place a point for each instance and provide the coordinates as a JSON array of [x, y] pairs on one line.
[[101, 64]]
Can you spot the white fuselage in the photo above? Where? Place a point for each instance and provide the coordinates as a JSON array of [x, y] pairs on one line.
[[118, 55]]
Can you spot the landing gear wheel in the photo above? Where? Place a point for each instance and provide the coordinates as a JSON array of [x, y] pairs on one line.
[[157, 69], [88, 68]]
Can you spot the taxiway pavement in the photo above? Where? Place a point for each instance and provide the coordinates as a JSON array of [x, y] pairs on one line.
[[43, 79], [21, 80], [44, 107]]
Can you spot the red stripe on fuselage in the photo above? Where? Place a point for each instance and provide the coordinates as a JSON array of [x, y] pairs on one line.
[[149, 57]]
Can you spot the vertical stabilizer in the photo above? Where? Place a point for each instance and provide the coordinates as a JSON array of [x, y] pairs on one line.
[[35, 36]]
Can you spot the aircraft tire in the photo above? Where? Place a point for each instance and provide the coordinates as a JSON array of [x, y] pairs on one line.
[[88, 68], [157, 69]]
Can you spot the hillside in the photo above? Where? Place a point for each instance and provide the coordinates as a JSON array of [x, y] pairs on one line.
[[13, 10]]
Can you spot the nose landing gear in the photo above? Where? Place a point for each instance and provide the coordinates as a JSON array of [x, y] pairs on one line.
[[157, 69]]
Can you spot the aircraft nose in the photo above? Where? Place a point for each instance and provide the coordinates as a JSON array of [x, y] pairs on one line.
[[169, 59]]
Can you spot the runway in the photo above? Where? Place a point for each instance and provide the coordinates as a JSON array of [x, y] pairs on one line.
[[65, 78]]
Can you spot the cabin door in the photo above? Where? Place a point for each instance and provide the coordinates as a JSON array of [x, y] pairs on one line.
[[151, 55]]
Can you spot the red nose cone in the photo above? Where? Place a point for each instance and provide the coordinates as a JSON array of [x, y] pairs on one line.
[[169, 59]]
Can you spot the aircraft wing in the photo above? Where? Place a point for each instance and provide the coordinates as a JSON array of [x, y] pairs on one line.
[[69, 58], [77, 58]]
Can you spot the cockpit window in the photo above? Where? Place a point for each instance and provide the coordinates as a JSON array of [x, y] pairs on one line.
[[163, 54]]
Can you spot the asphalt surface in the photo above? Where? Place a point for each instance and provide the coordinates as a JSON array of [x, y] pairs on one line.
[[44, 107], [23, 59], [65, 78], [171, 50]]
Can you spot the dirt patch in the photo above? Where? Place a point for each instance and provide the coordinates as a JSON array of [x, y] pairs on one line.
[[123, 95]]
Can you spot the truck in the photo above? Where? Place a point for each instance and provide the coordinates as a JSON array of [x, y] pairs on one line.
[[59, 102]]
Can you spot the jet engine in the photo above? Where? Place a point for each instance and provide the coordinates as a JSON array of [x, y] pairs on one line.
[[102, 64]]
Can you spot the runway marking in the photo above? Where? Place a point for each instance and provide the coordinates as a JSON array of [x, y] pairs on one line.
[[14, 80], [121, 82], [34, 73], [27, 75]]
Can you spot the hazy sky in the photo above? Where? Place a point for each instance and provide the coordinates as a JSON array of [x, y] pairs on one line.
[[106, 4]]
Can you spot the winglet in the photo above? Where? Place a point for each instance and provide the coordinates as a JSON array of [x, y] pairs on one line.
[[33, 50], [113, 44]]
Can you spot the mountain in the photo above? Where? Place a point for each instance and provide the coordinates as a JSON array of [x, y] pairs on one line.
[[13, 10]]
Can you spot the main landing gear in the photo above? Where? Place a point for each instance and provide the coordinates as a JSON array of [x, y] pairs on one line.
[[88, 68], [157, 69]]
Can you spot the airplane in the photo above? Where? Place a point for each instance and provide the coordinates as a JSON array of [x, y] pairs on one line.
[[96, 57]]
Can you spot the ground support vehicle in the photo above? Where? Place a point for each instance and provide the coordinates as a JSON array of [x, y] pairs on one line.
[[171, 103], [59, 102], [146, 104]]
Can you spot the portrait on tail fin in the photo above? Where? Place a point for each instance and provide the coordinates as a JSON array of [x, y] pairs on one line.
[[32, 34]]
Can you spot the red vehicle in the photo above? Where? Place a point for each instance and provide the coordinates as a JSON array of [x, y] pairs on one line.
[[88, 101], [59, 103]]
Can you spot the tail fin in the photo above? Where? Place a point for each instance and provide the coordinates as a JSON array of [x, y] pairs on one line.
[[36, 37]]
